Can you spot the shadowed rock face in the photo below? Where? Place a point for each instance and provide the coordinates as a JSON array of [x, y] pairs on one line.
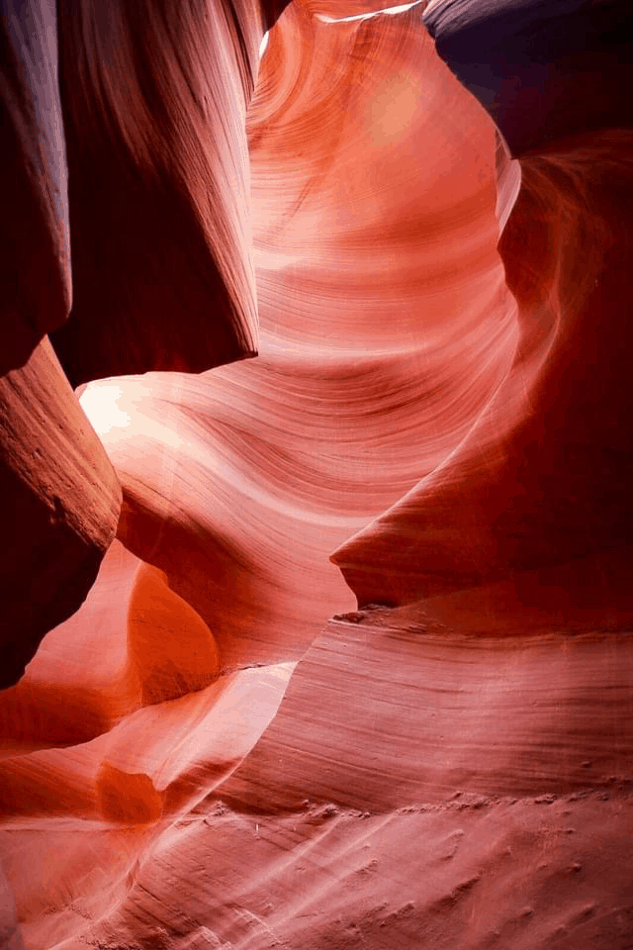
[[157, 208], [61, 504], [439, 415], [534, 506], [157, 204], [544, 71], [520, 521], [159, 185], [34, 241]]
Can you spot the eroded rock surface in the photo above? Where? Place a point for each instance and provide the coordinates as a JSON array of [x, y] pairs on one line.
[[61, 502], [34, 241], [196, 758], [158, 185]]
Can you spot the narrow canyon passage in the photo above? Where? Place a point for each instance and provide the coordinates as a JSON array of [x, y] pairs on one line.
[[349, 321]]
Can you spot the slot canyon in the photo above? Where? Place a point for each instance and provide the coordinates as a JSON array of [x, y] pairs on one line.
[[316, 472]]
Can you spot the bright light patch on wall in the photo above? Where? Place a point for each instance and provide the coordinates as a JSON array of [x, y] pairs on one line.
[[100, 405], [263, 44], [390, 11]]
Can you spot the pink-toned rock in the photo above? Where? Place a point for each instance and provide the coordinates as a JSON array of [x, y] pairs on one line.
[[530, 520], [192, 761], [133, 643], [388, 709], [240, 482], [61, 502], [159, 184]]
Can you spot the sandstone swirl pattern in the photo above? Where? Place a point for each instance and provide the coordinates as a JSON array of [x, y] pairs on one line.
[[356, 672]]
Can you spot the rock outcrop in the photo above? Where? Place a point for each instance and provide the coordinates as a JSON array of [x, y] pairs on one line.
[[156, 208], [35, 240], [61, 501]]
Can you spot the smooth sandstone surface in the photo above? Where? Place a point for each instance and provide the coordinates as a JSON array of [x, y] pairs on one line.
[[240, 482], [537, 497], [439, 415], [62, 501], [154, 102], [393, 693], [415, 788], [34, 240]]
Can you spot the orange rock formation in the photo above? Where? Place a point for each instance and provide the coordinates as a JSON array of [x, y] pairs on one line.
[[356, 671]]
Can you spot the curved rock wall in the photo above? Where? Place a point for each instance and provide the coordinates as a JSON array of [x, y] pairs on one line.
[[61, 504], [196, 758], [35, 240]]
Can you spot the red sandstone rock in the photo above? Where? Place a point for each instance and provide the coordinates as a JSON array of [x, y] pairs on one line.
[[443, 715], [150, 645], [531, 519], [415, 786], [240, 482], [455, 773], [34, 238], [154, 103], [61, 502]]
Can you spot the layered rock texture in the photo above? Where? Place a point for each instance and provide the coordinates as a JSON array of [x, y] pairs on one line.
[[357, 670], [61, 503]]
